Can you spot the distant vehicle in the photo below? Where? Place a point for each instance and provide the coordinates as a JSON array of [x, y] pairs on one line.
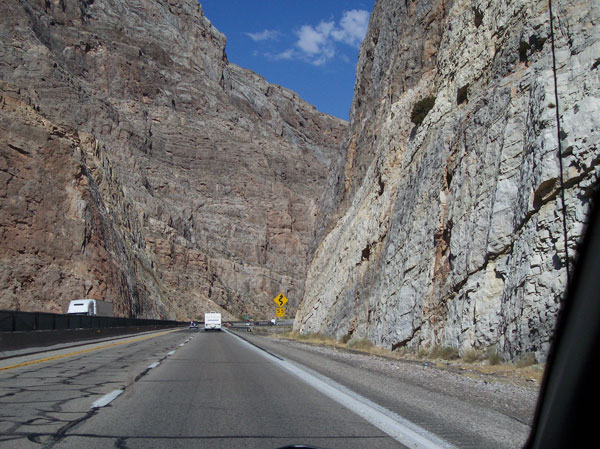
[[212, 321], [92, 307], [193, 325]]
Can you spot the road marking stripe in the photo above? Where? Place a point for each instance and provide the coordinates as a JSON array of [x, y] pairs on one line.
[[83, 351], [170, 352], [154, 365], [400, 429], [106, 399]]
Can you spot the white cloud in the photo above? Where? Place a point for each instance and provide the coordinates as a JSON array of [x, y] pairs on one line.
[[317, 44], [287, 54], [353, 27], [314, 40], [263, 35]]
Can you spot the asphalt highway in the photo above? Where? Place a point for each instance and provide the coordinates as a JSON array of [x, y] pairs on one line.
[[176, 389]]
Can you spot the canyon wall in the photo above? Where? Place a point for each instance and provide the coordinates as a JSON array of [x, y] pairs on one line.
[[139, 166], [443, 219]]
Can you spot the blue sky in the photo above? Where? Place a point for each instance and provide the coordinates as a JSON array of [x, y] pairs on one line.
[[308, 46]]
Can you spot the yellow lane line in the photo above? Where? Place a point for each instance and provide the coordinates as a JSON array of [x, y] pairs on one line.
[[83, 351]]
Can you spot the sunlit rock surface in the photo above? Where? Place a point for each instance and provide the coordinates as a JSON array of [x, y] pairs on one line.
[[449, 231], [138, 166]]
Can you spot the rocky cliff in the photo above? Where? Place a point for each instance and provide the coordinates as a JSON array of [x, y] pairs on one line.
[[139, 166], [448, 219]]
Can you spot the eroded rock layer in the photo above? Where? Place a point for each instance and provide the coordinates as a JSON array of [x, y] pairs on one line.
[[138, 166], [448, 227]]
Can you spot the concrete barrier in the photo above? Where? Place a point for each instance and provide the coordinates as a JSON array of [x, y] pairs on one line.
[[39, 340]]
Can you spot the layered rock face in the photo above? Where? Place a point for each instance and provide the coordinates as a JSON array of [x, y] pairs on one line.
[[138, 166], [448, 219]]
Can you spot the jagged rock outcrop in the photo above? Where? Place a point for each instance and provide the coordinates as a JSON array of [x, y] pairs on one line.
[[139, 166], [448, 220]]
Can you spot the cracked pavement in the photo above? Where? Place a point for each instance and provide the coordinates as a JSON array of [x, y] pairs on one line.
[[212, 390], [40, 402]]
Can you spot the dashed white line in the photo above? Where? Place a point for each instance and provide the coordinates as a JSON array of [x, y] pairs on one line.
[[106, 399]]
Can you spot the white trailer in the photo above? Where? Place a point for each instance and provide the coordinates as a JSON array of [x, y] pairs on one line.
[[212, 321], [93, 307]]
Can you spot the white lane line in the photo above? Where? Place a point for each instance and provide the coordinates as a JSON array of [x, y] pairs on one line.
[[106, 399], [181, 345], [154, 365], [170, 352], [399, 428]]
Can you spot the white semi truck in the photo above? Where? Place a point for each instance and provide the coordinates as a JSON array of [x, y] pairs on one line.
[[212, 321], [93, 307]]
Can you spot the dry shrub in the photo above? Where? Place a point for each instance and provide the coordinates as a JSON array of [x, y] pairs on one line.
[[473, 355], [492, 356], [315, 337], [360, 344], [525, 359], [425, 352], [345, 339], [444, 353]]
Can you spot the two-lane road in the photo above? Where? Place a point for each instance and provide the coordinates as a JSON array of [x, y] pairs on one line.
[[177, 389]]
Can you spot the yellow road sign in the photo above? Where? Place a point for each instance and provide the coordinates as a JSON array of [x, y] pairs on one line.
[[280, 312], [280, 300]]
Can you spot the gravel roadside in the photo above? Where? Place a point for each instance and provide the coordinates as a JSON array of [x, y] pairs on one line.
[[467, 408], [510, 395]]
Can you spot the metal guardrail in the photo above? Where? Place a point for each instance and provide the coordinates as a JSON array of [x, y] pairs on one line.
[[11, 321]]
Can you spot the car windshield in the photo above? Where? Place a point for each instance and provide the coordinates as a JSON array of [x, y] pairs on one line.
[[267, 224]]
